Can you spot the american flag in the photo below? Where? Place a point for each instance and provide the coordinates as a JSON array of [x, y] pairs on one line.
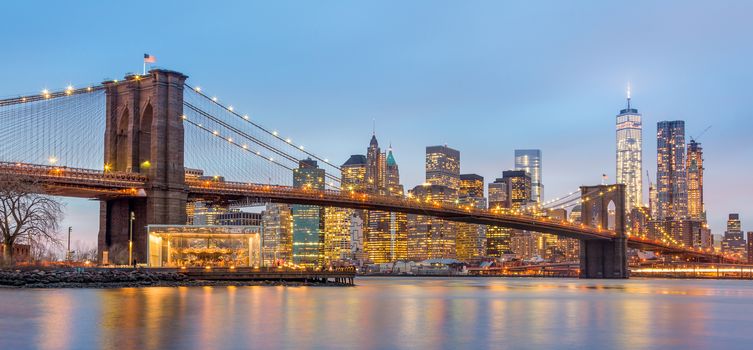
[[149, 58]]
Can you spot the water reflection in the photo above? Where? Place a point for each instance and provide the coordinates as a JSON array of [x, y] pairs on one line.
[[383, 313]]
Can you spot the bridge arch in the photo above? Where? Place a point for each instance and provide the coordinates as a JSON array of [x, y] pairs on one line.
[[604, 207], [145, 137], [121, 141]]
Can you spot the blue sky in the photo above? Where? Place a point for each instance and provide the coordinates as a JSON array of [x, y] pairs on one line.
[[483, 77]]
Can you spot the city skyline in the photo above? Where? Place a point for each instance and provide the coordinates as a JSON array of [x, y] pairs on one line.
[[663, 90]]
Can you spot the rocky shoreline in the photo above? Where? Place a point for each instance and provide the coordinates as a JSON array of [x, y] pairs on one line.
[[120, 278]]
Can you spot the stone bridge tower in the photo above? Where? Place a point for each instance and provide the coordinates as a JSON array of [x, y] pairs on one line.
[[143, 134], [604, 206]]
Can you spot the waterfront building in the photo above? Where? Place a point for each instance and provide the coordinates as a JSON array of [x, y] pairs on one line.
[[694, 168], [443, 166], [203, 246], [734, 240], [639, 217], [430, 237], [471, 238], [277, 234], [670, 170], [337, 234], [750, 247], [308, 220], [529, 160], [523, 244]]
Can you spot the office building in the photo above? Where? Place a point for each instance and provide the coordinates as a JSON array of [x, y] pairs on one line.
[[529, 160], [630, 154], [671, 177], [694, 169], [308, 220]]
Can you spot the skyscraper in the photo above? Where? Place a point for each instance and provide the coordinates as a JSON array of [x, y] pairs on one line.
[[519, 188], [385, 232], [308, 220], [694, 168], [670, 170], [498, 238], [734, 241], [277, 225], [443, 166], [430, 237], [471, 238], [353, 177], [530, 161], [630, 155]]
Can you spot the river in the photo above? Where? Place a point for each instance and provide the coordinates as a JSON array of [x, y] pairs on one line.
[[388, 313]]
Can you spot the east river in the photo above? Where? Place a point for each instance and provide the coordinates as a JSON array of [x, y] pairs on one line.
[[388, 313]]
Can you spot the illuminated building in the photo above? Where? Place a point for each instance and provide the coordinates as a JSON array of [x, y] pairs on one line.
[[308, 220], [385, 233], [734, 241], [375, 166], [523, 244], [498, 194], [750, 247], [471, 238], [529, 160], [429, 237], [630, 155], [443, 166], [205, 214], [670, 170], [694, 168], [353, 177], [337, 233], [518, 188], [498, 238], [277, 234], [638, 221], [653, 201]]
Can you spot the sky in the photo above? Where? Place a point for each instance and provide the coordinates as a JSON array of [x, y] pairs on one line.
[[483, 77]]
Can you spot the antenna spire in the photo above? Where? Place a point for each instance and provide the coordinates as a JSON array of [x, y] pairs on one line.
[[373, 126], [628, 95]]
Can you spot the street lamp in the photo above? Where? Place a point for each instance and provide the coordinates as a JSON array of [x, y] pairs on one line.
[[130, 238]]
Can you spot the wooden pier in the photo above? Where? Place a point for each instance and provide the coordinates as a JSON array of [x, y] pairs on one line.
[[341, 275]]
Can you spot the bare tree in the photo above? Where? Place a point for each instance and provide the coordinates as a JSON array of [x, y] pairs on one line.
[[26, 215]]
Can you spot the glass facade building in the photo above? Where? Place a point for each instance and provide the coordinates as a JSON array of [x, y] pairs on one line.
[[530, 161], [308, 220], [630, 155], [694, 168], [671, 189]]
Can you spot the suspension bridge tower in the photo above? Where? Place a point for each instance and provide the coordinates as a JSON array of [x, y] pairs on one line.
[[603, 206], [143, 134]]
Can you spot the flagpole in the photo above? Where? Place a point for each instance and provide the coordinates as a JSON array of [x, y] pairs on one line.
[[144, 72]]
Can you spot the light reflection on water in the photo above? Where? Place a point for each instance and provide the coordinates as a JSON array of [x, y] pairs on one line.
[[388, 313]]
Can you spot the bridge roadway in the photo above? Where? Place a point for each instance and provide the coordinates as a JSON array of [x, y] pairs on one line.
[[98, 184]]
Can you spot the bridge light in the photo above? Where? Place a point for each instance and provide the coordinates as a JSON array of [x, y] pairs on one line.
[[271, 159], [245, 117], [215, 133], [288, 140], [108, 167], [245, 147], [229, 139], [184, 117], [52, 159], [301, 147], [214, 98], [230, 108], [89, 88], [274, 133], [146, 164], [198, 89]]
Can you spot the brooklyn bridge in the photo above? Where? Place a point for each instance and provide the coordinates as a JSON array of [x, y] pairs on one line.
[[150, 144]]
